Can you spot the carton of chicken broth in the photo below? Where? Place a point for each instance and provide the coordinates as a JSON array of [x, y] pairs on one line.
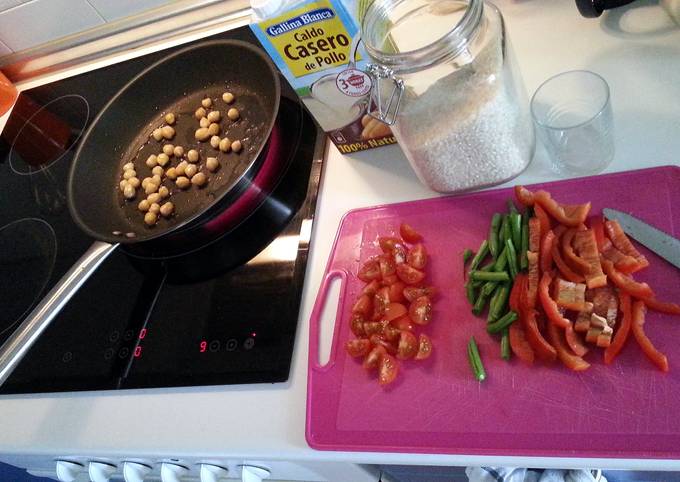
[[316, 46]]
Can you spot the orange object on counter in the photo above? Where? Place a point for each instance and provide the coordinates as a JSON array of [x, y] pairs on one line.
[[8, 94]]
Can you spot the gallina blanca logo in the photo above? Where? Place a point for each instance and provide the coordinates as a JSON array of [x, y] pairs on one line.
[[317, 15]]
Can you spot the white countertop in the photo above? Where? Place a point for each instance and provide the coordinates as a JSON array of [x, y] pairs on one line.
[[636, 49]]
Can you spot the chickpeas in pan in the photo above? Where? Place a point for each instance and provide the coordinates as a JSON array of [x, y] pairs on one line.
[[153, 197], [192, 155], [179, 170], [200, 113], [162, 159], [212, 164], [225, 145], [143, 205], [168, 149], [170, 118], [214, 116], [157, 171], [134, 182], [233, 114], [129, 192], [207, 102], [178, 151], [171, 173], [168, 132], [122, 184], [150, 218], [163, 192], [236, 146], [128, 166], [151, 187], [228, 97], [152, 161], [155, 208], [215, 142], [204, 122], [157, 134], [199, 179], [167, 209], [183, 182], [190, 170], [202, 134], [156, 179], [214, 129]]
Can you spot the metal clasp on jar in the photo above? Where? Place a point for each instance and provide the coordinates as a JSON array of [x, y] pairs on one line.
[[386, 113]]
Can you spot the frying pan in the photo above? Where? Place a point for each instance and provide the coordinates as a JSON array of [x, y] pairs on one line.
[[121, 133]]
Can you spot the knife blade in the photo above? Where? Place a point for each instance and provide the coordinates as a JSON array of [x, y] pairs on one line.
[[661, 243]]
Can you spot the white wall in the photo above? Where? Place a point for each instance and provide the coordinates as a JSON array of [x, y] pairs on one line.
[[27, 23]]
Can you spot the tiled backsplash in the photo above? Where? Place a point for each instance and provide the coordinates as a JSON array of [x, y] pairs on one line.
[[27, 23]]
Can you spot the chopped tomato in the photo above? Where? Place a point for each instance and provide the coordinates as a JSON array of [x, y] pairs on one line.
[[518, 286], [542, 349], [574, 342], [656, 357], [403, 323], [409, 234], [358, 347], [389, 368], [519, 344], [400, 253], [369, 271], [409, 275], [621, 334], [564, 270], [420, 311], [549, 305], [380, 301], [390, 280], [408, 345], [586, 244], [570, 216], [574, 362], [622, 243], [424, 347], [417, 256], [390, 347], [387, 265], [394, 311], [397, 291], [574, 261], [535, 234], [543, 219], [623, 282], [363, 306], [661, 306], [390, 332], [546, 251], [569, 295], [387, 244], [596, 223], [371, 288], [413, 292], [534, 277], [373, 328], [524, 196], [374, 356], [356, 324]]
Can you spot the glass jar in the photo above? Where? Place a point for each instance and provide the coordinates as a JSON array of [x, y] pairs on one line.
[[445, 78]]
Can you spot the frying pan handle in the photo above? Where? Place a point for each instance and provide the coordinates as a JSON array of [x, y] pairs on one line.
[[17, 345], [315, 318]]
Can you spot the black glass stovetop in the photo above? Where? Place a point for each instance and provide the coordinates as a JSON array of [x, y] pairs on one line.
[[226, 313]]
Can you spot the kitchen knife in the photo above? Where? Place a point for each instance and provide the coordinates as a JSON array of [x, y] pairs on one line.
[[661, 243]]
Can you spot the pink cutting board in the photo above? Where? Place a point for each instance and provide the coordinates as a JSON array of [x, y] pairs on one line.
[[628, 409]]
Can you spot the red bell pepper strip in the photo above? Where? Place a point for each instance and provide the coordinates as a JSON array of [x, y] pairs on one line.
[[656, 357], [596, 223], [549, 306], [623, 282], [543, 219], [621, 334], [524, 196], [662, 306], [519, 344], [574, 362], [570, 216], [574, 261], [574, 342], [542, 349], [534, 278], [564, 270], [517, 287], [586, 245], [546, 251], [622, 243], [535, 234], [622, 262], [569, 295]]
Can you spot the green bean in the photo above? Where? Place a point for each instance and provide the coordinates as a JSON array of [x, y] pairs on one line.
[[488, 288], [488, 266], [502, 260], [503, 230], [490, 276], [516, 228], [470, 292], [512, 258], [511, 206], [503, 322], [493, 235], [481, 254], [475, 360], [480, 303], [524, 246], [467, 254], [505, 345], [498, 302]]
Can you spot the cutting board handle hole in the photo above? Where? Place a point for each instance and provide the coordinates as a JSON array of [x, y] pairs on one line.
[[328, 318]]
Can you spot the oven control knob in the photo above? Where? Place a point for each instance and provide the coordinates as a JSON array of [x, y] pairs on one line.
[[135, 472], [250, 473], [100, 471], [213, 473], [173, 472], [68, 471]]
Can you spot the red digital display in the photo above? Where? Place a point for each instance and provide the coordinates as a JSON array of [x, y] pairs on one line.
[[203, 346], [138, 351], [142, 333]]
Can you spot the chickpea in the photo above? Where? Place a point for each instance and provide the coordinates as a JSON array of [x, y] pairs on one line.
[[200, 113], [204, 122], [155, 208], [214, 129], [123, 184], [162, 159], [214, 116], [171, 173], [225, 145], [190, 170], [179, 170], [202, 134], [129, 192], [170, 118], [183, 182], [156, 179], [152, 161], [164, 192], [150, 188], [153, 197], [157, 134], [233, 113], [236, 146], [143, 205], [168, 132], [215, 141], [129, 173], [178, 151], [212, 164], [134, 182], [192, 155], [168, 149], [128, 166], [150, 218], [157, 171], [228, 97], [199, 179], [145, 182], [207, 102], [167, 209]]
